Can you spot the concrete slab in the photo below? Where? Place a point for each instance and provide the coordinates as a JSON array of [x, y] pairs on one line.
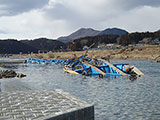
[[43, 105]]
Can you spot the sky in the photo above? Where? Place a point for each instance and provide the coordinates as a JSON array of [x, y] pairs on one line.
[[30, 19]]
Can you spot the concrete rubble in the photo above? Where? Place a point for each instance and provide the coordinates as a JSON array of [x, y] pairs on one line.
[[10, 74]]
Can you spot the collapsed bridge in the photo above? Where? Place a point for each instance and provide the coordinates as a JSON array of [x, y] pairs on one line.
[[92, 66]]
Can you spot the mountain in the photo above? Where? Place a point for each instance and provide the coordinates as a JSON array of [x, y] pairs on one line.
[[78, 44], [44, 44], [113, 31], [158, 31], [83, 32], [11, 46], [89, 32]]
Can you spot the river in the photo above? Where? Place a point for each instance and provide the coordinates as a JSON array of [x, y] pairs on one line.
[[113, 98]]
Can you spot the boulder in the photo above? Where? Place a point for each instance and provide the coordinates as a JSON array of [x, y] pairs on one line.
[[2, 65], [20, 75], [0, 76], [10, 74], [157, 59], [7, 66]]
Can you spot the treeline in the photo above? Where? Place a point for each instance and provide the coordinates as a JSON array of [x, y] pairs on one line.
[[45, 44], [124, 40], [78, 44], [134, 38], [12, 46]]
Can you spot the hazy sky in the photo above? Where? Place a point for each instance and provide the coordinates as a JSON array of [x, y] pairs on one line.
[[22, 19]]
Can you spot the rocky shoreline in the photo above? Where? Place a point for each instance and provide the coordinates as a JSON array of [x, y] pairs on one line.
[[146, 52], [10, 74]]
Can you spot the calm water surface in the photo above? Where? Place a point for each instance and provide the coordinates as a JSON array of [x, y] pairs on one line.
[[114, 99]]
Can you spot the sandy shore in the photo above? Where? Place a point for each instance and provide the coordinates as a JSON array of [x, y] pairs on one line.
[[147, 52]]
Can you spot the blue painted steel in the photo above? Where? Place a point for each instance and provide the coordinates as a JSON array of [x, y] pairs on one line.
[[76, 65]]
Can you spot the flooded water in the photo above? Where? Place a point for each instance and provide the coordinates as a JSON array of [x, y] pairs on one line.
[[114, 99]]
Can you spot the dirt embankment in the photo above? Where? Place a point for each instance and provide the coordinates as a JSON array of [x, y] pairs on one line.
[[151, 52]]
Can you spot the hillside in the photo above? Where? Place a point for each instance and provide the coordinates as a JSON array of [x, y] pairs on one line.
[[152, 38], [113, 31], [78, 44], [11, 46], [44, 44], [89, 32], [83, 32], [15, 47], [146, 52], [143, 38]]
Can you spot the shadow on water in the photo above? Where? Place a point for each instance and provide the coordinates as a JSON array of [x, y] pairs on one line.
[[113, 98]]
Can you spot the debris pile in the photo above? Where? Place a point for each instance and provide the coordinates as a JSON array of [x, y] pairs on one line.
[[157, 59], [92, 66], [10, 74]]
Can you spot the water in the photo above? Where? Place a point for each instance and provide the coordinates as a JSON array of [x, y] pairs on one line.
[[114, 99]]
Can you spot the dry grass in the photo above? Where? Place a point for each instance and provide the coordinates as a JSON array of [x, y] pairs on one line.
[[144, 52]]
